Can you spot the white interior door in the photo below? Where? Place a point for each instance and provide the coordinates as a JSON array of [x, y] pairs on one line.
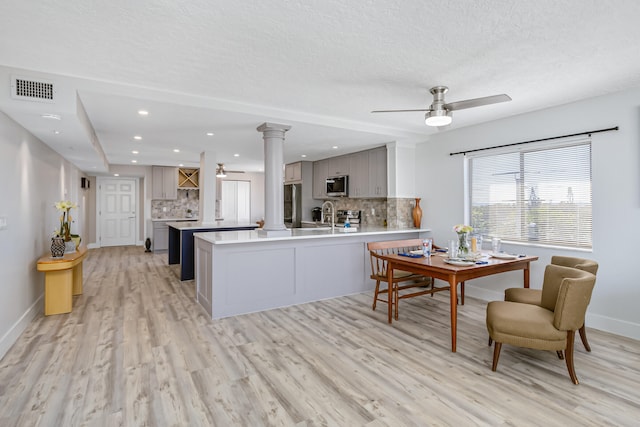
[[236, 201], [117, 212]]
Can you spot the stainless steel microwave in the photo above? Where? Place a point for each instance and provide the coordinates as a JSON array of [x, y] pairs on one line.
[[338, 186]]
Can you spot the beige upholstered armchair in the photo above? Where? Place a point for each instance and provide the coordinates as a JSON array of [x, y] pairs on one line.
[[534, 296], [566, 293]]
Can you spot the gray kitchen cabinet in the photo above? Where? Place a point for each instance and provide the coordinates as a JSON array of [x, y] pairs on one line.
[[378, 172], [359, 175], [164, 184], [320, 175], [338, 166], [293, 172], [160, 236]]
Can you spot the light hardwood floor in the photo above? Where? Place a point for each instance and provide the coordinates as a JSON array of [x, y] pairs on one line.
[[138, 350]]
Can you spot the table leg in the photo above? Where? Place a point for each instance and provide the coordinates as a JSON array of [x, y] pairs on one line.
[[453, 291], [57, 291], [526, 276], [77, 279], [389, 290]]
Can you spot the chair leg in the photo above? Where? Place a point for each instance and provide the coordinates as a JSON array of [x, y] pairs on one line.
[[568, 355], [375, 294], [496, 355], [583, 337], [490, 342], [461, 293], [396, 299], [560, 355]]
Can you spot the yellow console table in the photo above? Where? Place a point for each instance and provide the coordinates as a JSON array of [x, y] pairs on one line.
[[62, 280]]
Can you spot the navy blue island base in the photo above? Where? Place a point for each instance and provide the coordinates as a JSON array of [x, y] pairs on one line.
[[181, 249]]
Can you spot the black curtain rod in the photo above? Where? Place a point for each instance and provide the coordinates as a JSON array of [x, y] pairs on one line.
[[535, 140]]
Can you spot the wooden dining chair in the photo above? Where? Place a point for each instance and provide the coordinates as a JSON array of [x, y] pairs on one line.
[[402, 280], [534, 296], [566, 293]]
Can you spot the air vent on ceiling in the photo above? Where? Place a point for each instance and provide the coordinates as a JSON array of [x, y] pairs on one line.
[[32, 89]]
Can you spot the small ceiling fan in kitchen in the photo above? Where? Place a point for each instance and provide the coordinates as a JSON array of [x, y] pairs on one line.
[[440, 113], [221, 172]]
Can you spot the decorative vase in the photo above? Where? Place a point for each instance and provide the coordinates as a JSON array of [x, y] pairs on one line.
[[417, 214], [57, 247], [463, 245]]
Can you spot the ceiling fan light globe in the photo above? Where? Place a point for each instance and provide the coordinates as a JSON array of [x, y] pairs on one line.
[[437, 118]]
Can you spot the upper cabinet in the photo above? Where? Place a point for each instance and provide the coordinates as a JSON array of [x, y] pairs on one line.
[[378, 172], [359, 174], [188, 178], [367, 171], [164, 184], [320, 175], [293, 172], [338, 165]]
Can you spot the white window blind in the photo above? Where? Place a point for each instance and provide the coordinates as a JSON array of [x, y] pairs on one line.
[[539, 195]]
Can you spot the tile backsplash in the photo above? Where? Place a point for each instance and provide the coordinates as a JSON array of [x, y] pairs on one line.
[[187, 199], [396, 211]]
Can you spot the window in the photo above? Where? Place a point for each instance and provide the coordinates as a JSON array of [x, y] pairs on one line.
[[539, 194]]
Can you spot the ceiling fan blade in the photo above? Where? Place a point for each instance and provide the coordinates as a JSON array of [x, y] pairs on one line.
[[477, 102], [398, 111]]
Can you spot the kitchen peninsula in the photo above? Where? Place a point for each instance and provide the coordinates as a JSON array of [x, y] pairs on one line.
[[181, 240], [240, 272]]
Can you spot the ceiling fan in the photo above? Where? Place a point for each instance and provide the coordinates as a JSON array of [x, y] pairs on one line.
[[221, 172], [439, 113]]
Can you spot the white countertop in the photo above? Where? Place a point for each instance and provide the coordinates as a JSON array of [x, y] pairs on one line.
[[187, 225], [251, 236]]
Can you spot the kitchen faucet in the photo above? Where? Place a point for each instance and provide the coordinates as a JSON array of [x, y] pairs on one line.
[[333, 212]]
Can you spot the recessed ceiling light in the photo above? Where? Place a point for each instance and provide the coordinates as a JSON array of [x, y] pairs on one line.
[[175, 150], [209, 133], [134, 161], [236, 155], [137, 137], [143, 112], [135, 152], [303, 155], [334, 147], [181, 165], [57, 132], [116, 174], [51, 116]]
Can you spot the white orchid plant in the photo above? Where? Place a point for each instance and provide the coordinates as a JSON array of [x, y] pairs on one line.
[[64, 206]]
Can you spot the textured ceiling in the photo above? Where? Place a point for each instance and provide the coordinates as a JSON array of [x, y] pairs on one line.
[[321, 66]]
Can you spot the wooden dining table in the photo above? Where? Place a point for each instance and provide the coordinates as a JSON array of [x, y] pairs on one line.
[[436, 267]]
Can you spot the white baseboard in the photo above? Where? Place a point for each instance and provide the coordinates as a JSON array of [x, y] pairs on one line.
[[595, 321], [615, 326], [19, 327], [96, 245]]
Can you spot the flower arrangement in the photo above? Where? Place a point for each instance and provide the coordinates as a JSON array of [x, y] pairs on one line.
[[64, 206], [463, 242], [461, 228]]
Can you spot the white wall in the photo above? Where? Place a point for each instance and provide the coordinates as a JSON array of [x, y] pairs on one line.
[[34, 177], [616, 198]]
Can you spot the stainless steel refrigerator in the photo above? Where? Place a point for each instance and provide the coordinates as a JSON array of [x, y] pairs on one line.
[[293, 205]]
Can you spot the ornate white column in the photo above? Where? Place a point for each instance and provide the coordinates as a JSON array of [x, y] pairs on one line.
[[273, 135]]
